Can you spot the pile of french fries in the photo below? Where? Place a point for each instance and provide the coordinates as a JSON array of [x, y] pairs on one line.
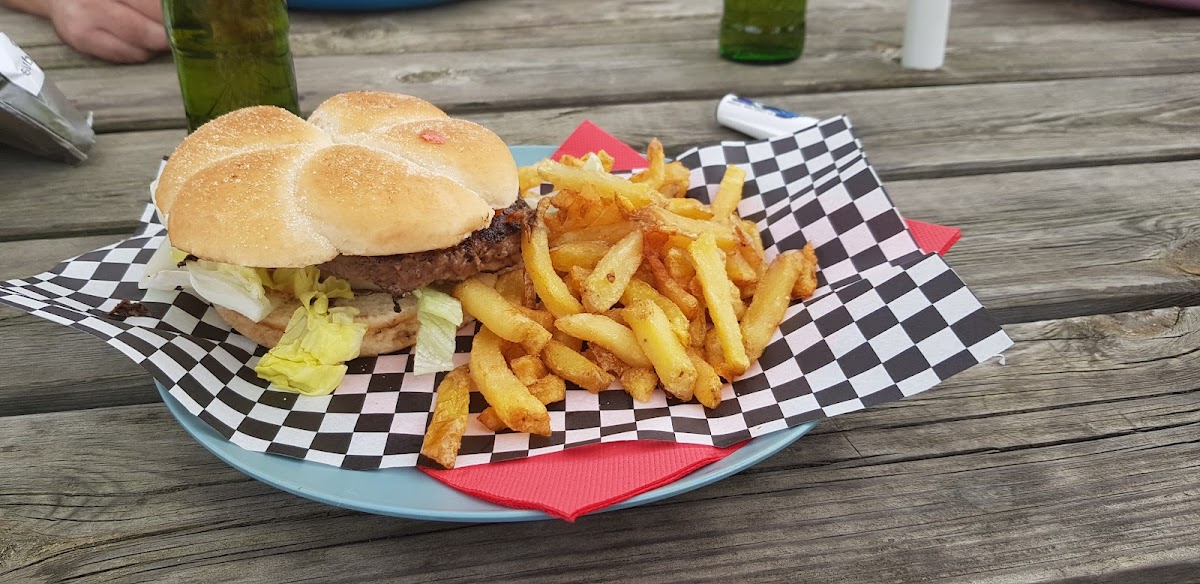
[[623, 279]]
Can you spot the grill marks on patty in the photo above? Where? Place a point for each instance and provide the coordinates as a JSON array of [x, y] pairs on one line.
[[490, 249]]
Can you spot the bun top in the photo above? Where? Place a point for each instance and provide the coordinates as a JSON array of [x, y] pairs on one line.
[[368, 174]]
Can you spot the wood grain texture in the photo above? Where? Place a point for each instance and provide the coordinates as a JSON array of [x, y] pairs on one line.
[[1039, 482], [516, 77], [909, 133], [528, 23]]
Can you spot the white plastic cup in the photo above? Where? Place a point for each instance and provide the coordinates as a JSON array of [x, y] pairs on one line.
[[925, 34]]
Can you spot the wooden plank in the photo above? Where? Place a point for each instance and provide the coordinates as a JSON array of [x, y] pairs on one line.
[[523, 78], [1031, 493], [512, 23], [49, 367], [1061, 243], [909, 133]]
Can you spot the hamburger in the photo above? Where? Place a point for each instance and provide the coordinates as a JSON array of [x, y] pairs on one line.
[[329, 238]]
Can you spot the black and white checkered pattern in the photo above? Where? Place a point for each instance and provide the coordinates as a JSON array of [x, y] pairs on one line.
[[887, 321]]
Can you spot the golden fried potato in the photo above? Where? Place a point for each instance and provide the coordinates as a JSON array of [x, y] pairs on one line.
[[707, 389], [807, 282], [535, 250], [770, 304], [528, 368], [729, 194], [604, 286], [719, 296], [640, 290], [500, 387], [604, 331], [662, 347], [639, 382], [585, 254], [500, 315], [444, 435], [569, 364]]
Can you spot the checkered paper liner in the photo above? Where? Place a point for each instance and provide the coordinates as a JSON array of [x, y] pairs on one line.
[[887, 321]]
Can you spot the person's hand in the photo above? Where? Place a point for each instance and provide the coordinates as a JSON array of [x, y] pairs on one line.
[[121, 31]]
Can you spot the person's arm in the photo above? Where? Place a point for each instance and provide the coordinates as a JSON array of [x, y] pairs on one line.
[[37, 7], [121, 31]]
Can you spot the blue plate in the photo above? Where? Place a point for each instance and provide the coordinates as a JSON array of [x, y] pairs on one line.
[[341, 5], [410, 493]]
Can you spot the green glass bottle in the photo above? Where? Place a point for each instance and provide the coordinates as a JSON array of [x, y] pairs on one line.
[[763, 31], [230, 54]]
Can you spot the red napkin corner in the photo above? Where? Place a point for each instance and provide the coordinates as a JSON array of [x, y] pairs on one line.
[[578, 481]]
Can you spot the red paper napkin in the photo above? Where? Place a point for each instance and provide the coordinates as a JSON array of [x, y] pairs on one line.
[[575, 482]]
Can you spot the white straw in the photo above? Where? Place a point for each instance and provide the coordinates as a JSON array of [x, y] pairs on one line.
[[925, 34]]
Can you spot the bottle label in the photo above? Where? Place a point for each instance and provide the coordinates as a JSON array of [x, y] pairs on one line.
[[19, 68]]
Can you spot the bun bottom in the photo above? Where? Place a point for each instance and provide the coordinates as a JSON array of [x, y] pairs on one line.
[[391, 325]]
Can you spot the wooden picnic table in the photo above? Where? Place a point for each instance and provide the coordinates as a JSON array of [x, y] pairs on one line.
[[1061, 137]]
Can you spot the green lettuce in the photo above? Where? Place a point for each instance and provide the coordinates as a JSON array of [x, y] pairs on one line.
[[319, 339], [440, 315]]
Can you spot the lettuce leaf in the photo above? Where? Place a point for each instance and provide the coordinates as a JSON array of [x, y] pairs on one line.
[[162, 270], [310, 358], [237, 288], [440, 315]]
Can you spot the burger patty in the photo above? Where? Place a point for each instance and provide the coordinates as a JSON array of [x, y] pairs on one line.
[[490, 249]]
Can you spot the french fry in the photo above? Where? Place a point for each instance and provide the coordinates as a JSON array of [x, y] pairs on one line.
[[444, 435], [535, 250], [806, 284], [729, 194], [770, 304], [690, 208], [606, 185], [609, 233], [607, 282], [500, 316], [676, 181], [605, 160], [575, 279], [511, 351], [605, 359], [542, 317], [707, 389], [615, 314], [500, 387], [655, 217], [560, 337], [714, 353], [639, 382], [640, 290], [655, 173], [718, 294], [569, 364], [511, 285], [662, 347], [697, 329], [678, 264], [739, 270], [686, 301], [528, 178], [528, 368], [491, 420], [753, 235], [604, 331], [580, 253], [548, 389]]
